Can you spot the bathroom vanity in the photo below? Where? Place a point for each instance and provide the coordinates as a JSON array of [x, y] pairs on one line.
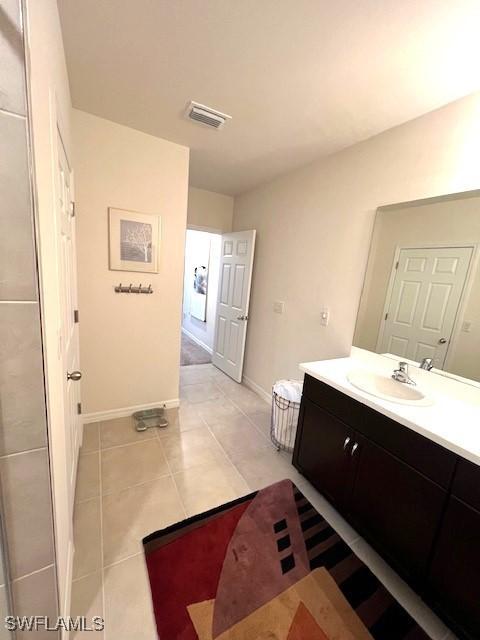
[[404, 472]]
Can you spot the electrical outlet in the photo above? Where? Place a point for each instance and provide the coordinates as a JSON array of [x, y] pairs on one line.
[[278, 306], [324, 317]]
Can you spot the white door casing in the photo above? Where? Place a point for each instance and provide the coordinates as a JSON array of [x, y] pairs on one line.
[[425, 294], [231, 321]]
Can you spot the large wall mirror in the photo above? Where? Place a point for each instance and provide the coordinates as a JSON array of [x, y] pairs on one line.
[[421, 296]]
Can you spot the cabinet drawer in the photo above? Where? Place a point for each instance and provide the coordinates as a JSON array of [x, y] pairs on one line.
[[466, 484], [422, 454], [335, 402]]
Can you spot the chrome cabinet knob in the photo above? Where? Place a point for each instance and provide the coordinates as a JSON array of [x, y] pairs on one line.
[[242, 317], [74, 375], [442, 341]]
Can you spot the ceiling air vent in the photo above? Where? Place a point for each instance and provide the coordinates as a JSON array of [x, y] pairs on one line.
[[206, 115]]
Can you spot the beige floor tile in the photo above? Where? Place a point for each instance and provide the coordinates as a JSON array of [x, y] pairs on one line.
[[122, 431], [247, 401], [87, 600], [88, 476], [87, 538], [181, 419], [128, 601], [226, 384], [91, 438], [192, 448], [240, 439], [202, 392], [132, 464], [195, 375], [261, 419], [267, 467], [208, 486], [131, 514], [218, 410]]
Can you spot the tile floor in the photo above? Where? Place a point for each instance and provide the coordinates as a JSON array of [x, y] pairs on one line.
[[215, 449]]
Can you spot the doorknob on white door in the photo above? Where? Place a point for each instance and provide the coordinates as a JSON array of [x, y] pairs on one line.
[[75, 375], [242, 317], [442, 341]]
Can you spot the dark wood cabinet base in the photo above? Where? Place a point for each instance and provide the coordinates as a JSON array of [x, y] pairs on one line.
[[417, 503]]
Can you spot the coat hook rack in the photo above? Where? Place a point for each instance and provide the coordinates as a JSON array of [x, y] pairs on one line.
[[120, 288]]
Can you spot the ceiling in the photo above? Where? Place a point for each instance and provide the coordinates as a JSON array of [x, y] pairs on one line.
[[300, 78]]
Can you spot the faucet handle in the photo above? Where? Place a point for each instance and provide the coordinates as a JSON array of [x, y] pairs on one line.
[[403, 366]]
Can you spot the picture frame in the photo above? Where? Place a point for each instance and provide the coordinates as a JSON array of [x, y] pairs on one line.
[[134, 240]]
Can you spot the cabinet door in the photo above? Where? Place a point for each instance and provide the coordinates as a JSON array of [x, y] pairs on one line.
[[455, 570], [323, 452], [397, 509]]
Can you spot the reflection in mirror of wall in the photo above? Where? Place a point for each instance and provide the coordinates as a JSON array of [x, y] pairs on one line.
[[421, 295]]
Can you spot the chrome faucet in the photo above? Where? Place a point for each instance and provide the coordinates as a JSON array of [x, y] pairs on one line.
[[401, 374], [427, 364]]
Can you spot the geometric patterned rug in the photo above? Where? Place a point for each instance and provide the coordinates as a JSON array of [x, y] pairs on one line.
[[267, 566]]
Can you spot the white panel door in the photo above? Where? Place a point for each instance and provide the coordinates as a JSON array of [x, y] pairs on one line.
[[69, 324], [236, 263], [424, 301]]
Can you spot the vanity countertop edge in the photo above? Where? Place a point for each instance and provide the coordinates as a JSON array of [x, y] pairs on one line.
[[451, 421]]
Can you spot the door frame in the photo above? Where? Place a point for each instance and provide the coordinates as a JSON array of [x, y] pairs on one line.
[[472, 269]]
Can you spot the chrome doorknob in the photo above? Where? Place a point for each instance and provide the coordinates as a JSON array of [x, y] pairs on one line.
[[242, 317], [442, 341], [75, 375]]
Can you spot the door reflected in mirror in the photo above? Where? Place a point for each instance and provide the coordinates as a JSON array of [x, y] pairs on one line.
[[421, 295]]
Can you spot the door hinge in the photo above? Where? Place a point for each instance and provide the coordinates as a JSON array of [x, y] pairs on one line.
[[72, 209], [79, 408], [75, 316], [396, 264], [386, 316]]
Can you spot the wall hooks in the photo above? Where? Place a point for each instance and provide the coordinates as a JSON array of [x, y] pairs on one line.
[[120, 288]]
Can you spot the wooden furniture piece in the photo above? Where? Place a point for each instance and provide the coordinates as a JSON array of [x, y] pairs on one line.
[[417, 503]]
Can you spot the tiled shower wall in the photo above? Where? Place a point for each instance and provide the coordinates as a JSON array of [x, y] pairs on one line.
[[24, 465]]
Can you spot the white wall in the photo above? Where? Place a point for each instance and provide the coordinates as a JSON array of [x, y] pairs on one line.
[[129, 344], [314, 226], [50, 104], [209, 211], [196, 243]]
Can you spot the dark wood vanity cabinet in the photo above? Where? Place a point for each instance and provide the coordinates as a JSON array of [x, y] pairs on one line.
[[417, 503], [454, 578], [397, 508], [331, 470]]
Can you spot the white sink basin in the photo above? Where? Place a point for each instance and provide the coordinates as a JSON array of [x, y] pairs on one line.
[[387, 388]]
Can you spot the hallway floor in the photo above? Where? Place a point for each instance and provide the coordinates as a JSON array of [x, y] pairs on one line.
[[191, 353], [130, 484]]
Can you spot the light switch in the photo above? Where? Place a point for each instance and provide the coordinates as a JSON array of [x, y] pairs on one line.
[[278, 306], [324, 317]]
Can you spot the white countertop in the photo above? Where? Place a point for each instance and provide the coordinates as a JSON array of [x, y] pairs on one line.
[[452, 421]]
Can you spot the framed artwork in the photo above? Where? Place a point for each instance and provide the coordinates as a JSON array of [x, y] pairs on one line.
[[134, 241], [198, 298]]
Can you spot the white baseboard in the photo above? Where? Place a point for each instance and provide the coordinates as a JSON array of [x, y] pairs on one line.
[[122, 412], [260, 391], [197, 341]]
